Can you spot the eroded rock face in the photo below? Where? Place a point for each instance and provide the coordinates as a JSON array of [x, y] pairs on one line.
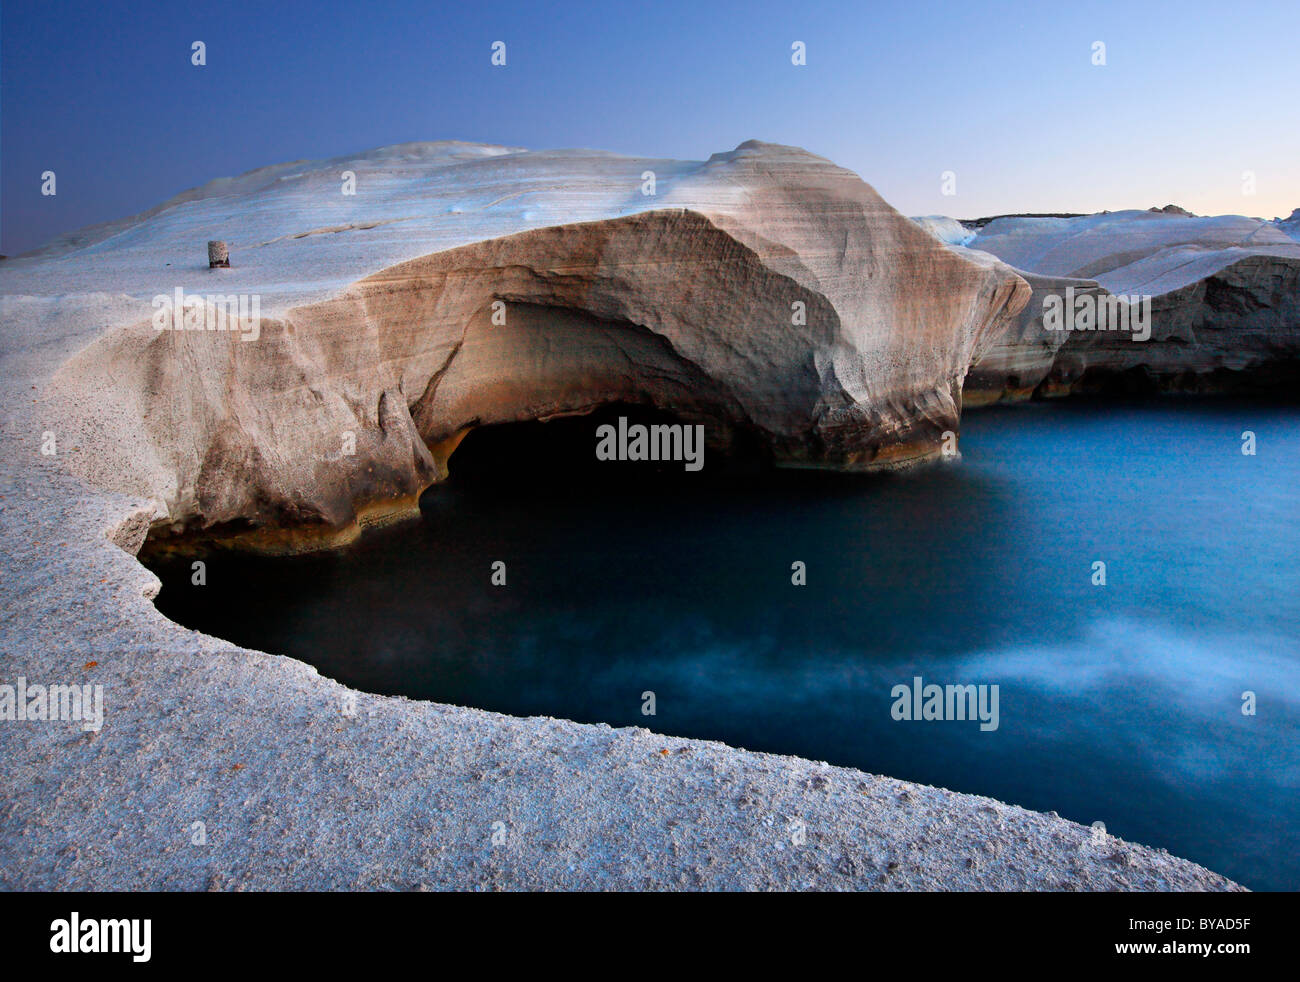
[[1224, 297], [1017, 365], [1289, 226], [765, 292]]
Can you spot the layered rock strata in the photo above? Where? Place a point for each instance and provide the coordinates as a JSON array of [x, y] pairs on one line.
[[764, 292], [1224, 296]]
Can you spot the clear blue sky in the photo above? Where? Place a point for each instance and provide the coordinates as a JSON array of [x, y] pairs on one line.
[[1003, 94]]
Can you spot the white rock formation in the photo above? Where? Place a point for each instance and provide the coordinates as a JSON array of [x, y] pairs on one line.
[[1224, 292], [947, 230], [764, 291], [1289, 226], [255, 745]]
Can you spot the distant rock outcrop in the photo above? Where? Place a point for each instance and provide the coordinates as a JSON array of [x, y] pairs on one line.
[[1223, 294], [765, 293], [947, 230], [1289, 226]]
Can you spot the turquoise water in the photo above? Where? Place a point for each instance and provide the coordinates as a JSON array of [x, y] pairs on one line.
[[1119, 703]]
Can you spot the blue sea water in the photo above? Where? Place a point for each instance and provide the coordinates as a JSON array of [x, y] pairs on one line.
[[1120, 703]]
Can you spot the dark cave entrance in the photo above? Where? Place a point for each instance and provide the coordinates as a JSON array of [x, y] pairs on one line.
[[563, 451]]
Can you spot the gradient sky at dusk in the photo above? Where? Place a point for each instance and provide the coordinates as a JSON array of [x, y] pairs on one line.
[[1003, 94]]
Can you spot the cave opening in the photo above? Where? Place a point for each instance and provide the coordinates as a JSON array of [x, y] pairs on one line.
[[576, 450]]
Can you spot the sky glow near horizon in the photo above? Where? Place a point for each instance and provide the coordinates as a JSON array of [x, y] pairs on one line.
[[1192, 97]]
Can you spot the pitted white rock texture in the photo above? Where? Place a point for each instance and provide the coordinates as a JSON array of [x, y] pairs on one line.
[[300, 783]]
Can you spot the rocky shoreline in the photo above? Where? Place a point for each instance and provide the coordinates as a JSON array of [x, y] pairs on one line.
[[292, 781]]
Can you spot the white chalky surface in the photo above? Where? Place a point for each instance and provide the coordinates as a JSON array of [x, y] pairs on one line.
[[292, 793]]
